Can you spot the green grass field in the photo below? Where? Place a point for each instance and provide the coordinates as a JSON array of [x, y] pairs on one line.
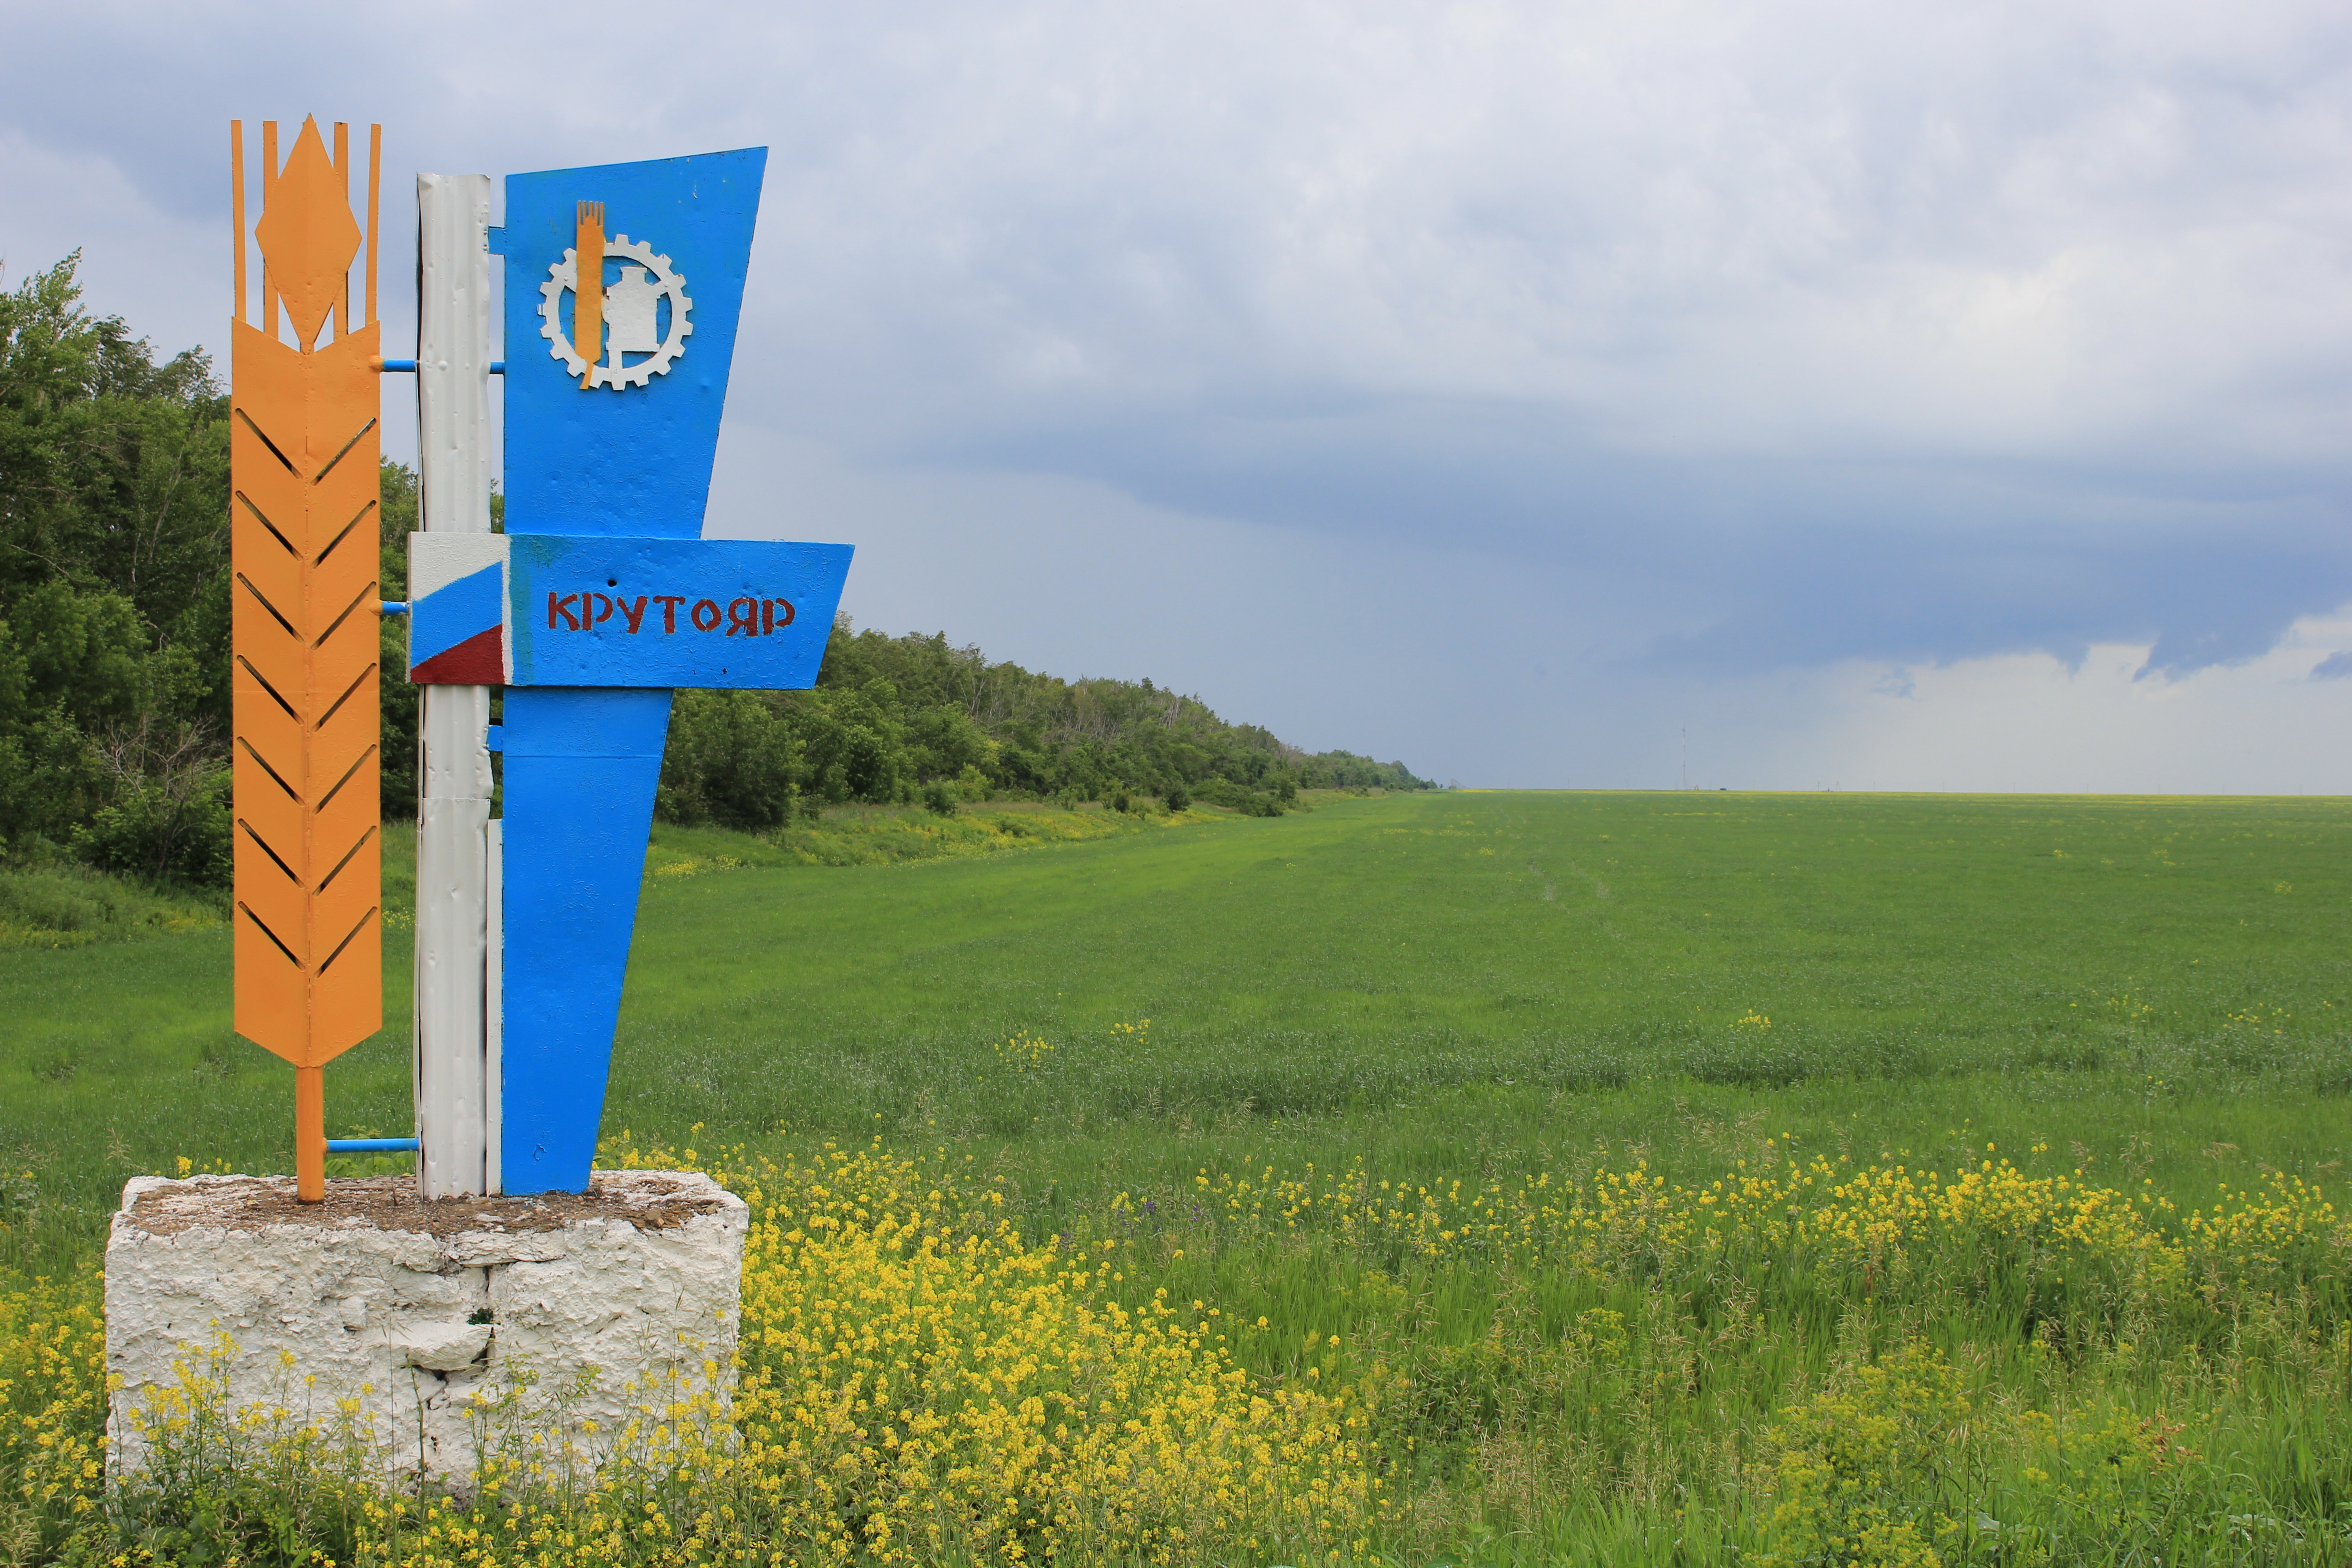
[[1420, 980], [1485, 988]]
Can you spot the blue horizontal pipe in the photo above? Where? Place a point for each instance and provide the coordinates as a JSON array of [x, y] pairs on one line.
[[371, 1145], [408, 366], [393, 608]]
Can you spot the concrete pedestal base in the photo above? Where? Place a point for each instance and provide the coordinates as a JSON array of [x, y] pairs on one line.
[[423, 1303]]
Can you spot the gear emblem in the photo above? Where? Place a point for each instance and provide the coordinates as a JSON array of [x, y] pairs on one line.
[[631, 316]]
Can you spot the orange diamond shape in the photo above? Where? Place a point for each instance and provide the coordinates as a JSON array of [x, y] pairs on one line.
[[307, 237]]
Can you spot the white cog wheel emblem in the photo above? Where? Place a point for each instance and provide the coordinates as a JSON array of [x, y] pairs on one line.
[[657, 281]]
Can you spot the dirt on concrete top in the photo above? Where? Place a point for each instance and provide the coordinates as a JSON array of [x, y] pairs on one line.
[[650, 1200]]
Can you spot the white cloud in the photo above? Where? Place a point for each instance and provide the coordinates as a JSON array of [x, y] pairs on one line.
[[140, 262], [2028, 721]]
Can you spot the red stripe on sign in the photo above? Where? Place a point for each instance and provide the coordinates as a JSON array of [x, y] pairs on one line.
[[479, 660]]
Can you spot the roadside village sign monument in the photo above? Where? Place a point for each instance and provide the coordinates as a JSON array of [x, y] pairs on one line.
[[623, 284]]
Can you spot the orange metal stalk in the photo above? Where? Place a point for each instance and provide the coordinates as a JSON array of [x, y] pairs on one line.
[[304, 442]]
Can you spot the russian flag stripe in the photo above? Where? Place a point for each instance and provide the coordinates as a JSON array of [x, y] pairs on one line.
[[457, 613]]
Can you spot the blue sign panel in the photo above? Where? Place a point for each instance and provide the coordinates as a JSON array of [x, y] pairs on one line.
[[601, 611], [632, 453], [607, 434], [550, 609]]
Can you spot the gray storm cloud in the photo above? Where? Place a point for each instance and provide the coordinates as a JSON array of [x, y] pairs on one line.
[[1597, 358]]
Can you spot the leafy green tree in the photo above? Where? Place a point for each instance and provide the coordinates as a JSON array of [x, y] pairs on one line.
[[113, 587], [733, 758]]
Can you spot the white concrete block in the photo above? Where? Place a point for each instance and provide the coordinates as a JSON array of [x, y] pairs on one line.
[[424, 1304]]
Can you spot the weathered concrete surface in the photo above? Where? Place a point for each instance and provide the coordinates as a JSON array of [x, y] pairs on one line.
[[422, 1304]]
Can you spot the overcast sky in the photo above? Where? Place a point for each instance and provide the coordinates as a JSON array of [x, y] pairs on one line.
[[1793, 396]]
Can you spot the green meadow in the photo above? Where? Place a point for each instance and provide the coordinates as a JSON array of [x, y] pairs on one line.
[[1220, 1022], [1419, 979]]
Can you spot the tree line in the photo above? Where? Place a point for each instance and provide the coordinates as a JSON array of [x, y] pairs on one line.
[[114, 651], [914, 717]]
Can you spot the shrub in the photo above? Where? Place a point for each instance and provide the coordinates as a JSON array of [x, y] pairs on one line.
[[1864, 1470], [733, 758], [156, 830]]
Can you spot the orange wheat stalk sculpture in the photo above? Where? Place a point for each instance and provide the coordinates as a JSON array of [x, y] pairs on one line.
[[304, 442]]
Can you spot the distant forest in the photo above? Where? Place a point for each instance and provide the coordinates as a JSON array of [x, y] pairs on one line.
[[114, 627], [892, 715]]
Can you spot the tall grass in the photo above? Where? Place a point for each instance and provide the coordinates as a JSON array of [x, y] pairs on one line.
[[51, 902], [885, 835]]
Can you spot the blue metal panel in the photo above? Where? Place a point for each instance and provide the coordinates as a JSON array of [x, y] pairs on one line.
[[635, 460], [580, 764], [601, 611]]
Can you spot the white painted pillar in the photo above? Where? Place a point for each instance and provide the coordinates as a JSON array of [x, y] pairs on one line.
[[453, 850], [494, 1011]]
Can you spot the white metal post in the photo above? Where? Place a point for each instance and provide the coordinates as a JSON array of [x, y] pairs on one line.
[[453, 852], [494, 1010]]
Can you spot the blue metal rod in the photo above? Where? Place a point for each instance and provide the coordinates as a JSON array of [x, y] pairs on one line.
[[408, 367], [393, 608], [371, 1145]]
